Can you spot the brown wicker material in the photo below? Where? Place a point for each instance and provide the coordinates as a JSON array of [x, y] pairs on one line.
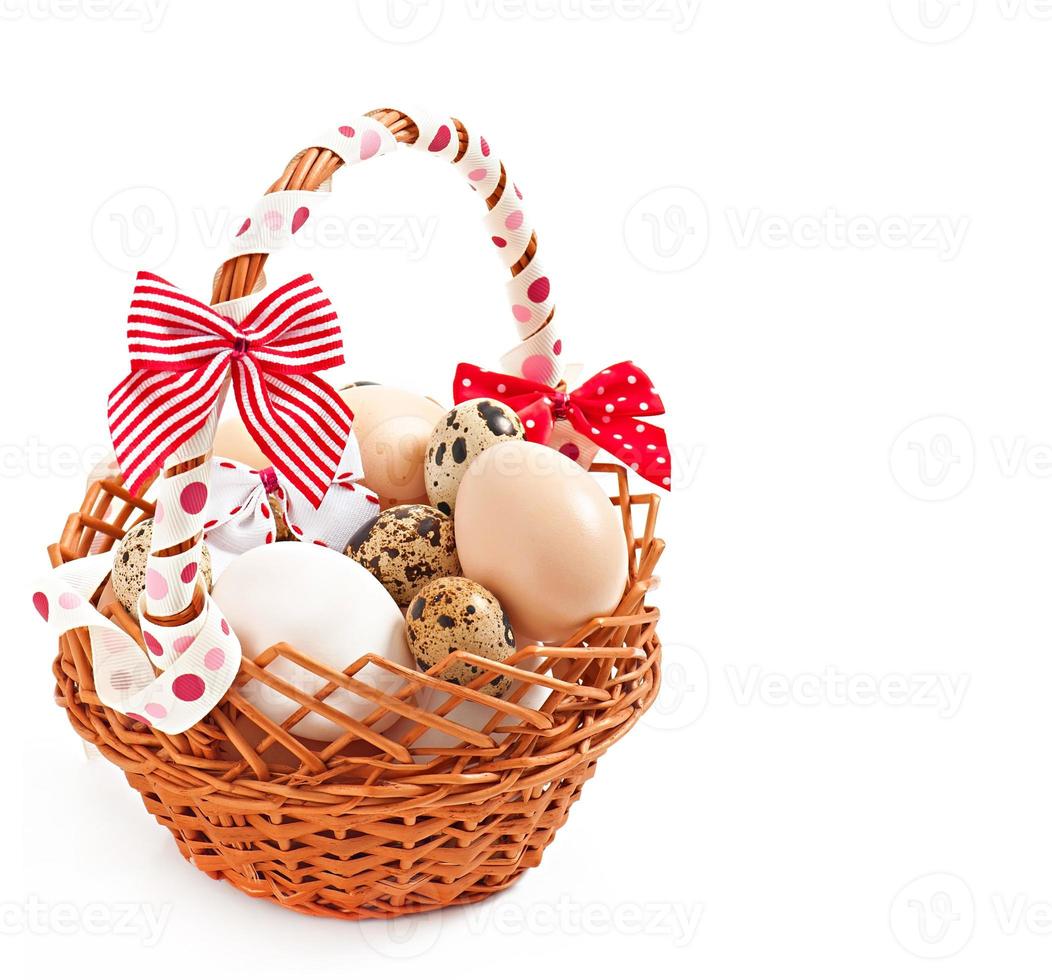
[[372, 825]]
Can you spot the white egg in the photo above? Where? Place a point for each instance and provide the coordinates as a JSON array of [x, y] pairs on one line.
[[472, 716], [328, 608]]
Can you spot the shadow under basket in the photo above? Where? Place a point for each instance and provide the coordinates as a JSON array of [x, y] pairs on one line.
[[430, 813]]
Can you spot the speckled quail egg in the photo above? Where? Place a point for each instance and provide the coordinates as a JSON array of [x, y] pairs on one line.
[[129, 565], [458, 614], [407, 547], [464, 433]]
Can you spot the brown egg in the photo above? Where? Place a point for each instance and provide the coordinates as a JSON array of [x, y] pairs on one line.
[[458, 614], [540, 533], [466, 431], [407, 547], [392, 427], [129, 565]]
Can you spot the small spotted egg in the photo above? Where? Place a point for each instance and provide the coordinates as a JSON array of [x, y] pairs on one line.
[[405, 548], [458, 614], [463, 434], [129, 565]]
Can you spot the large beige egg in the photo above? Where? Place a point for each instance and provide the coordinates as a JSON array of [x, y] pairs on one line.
[[538, 532], [327, 607], [393, 428]]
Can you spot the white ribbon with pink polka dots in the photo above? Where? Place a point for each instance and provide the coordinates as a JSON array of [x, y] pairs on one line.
[[185, 670], [197, 662], [283, 217]]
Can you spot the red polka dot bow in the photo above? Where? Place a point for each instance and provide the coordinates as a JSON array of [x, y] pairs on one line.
[[605, 409], [183, 351]]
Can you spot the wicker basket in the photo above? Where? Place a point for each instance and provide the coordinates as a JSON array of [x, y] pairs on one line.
[[370, 825]]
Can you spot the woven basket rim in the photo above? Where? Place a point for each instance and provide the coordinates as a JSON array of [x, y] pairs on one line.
[[339, 772]]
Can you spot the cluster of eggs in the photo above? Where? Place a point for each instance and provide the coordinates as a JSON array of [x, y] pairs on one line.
[[482, 537]]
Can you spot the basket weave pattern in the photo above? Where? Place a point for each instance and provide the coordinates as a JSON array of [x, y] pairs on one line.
[[349, 829], [376, 825]]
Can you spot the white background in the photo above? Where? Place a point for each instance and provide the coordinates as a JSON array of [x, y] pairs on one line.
[[823, 227]]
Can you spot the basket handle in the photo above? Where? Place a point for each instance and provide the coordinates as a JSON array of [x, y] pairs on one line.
[[283, 211], [286, 208]]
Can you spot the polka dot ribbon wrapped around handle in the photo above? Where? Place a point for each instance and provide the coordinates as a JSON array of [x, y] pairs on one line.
[[284, 218], [197, 661]]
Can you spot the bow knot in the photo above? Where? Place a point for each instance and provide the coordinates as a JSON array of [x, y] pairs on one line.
[[560, 402], [238, 517], [606, 409], [269, 478], [183, 355]]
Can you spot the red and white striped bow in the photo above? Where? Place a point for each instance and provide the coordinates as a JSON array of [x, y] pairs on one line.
[[183, 351]]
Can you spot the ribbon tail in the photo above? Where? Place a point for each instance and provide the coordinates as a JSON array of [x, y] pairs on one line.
[[284, 423], [642, 447], [152, 414], [344, 510], [193, 677]]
